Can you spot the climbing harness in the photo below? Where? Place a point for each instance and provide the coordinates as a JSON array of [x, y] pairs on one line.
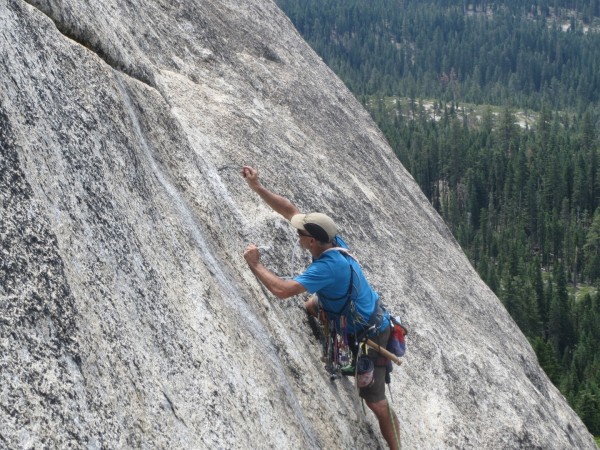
[[338, 353]]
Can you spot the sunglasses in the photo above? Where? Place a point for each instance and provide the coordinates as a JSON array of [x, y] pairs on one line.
[[303, 233]]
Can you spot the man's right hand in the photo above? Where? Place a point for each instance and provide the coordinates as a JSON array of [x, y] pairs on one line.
[[250, 174], [278, 203]]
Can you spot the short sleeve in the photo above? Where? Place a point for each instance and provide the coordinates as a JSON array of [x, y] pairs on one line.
[[317, 276]]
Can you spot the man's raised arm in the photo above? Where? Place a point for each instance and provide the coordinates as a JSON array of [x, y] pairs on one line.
[[278, 203]]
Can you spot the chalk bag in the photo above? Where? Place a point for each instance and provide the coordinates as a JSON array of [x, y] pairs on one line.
[[364, 372], [396, 343]]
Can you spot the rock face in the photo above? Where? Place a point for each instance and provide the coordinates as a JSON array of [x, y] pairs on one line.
[[128, 316]]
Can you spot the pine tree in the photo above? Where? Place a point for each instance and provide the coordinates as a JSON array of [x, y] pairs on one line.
[[588, 407], [591, 249], [547, 359]]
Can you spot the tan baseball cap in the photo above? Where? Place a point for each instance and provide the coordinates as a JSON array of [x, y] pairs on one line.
[[318, 225]]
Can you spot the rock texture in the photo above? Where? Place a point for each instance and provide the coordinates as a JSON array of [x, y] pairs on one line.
[[128, 318]]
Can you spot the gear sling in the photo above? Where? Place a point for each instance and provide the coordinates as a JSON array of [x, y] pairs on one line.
[[341, 349]]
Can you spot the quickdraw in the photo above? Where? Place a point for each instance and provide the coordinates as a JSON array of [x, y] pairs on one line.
[[336, 350]]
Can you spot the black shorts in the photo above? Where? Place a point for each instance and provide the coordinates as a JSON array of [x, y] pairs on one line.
[[376, 392]]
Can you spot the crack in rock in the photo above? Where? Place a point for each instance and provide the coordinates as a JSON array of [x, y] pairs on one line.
[[83, 38], [173, 410]]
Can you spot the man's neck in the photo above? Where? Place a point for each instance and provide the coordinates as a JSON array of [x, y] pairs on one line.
[[318, 250]]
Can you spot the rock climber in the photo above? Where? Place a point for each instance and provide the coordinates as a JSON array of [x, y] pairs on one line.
[[331, 275]]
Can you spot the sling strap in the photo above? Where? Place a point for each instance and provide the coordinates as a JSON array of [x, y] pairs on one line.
[[378, 315], [348, 295]]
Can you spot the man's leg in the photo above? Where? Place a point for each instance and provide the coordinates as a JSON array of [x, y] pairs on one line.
[[374, 396], [389, 429]]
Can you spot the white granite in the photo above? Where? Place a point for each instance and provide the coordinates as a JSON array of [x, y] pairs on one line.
[[128, 318]]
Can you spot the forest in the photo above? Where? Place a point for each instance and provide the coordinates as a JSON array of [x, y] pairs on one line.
[[480, 53], [448, 83]]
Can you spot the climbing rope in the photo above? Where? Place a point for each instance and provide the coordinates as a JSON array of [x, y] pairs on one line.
[[396, 436]]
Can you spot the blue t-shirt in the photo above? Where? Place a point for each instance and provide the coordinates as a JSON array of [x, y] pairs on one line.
[[329, 277]]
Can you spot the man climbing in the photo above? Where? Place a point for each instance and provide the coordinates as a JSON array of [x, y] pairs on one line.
[[341, 287]]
